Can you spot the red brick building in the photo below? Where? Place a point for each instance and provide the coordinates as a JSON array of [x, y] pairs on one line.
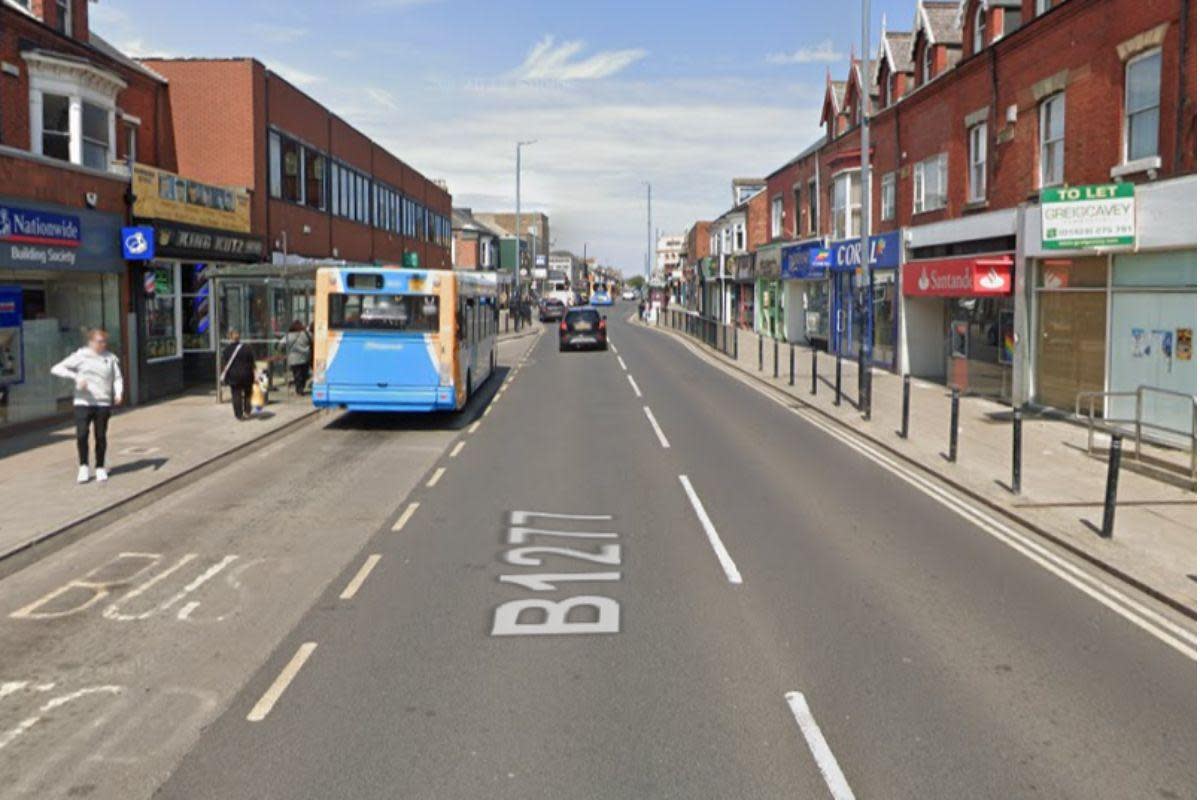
[[977, 110], [320, 188], [74, 113]]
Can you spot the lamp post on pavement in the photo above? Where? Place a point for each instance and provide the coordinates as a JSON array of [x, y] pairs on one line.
[[517, 227], [867, 329]]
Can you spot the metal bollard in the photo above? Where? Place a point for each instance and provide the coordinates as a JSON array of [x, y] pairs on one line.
[[507, 317], [1016, 452], [1110, 488], [837, 381], [791, 364], [813, 389], [867, 394], [953, 425], [904, 404], [776, 345], [760, 362], [862, 360]]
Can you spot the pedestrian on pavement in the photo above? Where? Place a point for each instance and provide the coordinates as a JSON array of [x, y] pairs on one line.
[[98, 387], [238, 373], [641, 309], [297, 344]]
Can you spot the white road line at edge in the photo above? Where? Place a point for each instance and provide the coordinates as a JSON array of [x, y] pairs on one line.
[[1149, 620], [437, 476], [710, 530], [662, 439], [276, 689], [621, 361], [360, 577], [404, 518], [474, 426], [457, 449], [633, 383], [826, 762]]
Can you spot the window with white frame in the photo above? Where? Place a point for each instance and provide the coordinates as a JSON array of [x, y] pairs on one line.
[[1143, 75], [980, 37], [1042, 6], [72, 110], [1051, 137], [131, 142], [739, 237], [929, 184], [725, 241], [63, 22], [927, 64], [887, 197], [977, 162], [846, 207], [813, 210], [776, 217]]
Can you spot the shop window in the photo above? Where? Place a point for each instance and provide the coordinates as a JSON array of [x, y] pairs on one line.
[[1142, 91], [977, 166], [887, 200], [56, 126], [197, 309], [1073, 273], [1052, 135], [162, 331]]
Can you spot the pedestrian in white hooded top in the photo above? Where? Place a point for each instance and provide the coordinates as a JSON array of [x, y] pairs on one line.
[[98, 387]]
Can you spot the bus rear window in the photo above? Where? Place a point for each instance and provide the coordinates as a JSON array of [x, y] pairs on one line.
[[383, 312]]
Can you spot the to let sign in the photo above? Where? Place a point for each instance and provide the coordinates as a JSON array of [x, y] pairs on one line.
[[1075, 217]]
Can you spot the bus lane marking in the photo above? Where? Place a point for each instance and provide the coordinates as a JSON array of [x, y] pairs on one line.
[[543, 617]]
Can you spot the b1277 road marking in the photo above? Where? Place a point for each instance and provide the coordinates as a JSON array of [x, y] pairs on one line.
[[284, 679], [662, 439], [710, 530], [550, 617], [826, 762]]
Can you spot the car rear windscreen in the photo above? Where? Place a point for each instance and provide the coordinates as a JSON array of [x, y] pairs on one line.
[[383, 312], [586, 315]]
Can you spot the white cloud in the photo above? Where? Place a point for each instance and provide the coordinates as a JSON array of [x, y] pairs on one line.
[[822, 52], [295, 75], [278, 34], [552, 61]]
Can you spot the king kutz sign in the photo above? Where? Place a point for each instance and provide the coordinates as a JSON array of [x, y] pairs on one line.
[[1075, 217]]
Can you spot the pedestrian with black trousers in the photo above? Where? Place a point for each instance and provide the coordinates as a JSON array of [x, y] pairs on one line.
[[238, 374], [297, 345], [98, 387]]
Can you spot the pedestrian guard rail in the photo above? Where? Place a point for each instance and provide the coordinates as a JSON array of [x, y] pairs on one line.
[[716, 334], [1164, 435]]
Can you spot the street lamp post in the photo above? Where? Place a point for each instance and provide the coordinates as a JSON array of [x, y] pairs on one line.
[[867, 330], [517, 276]]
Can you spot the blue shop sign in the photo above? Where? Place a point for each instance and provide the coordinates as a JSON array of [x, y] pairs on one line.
[[36, 235], [137, 243], [12, 349], [804, 262], [885, 253], [30, 226]]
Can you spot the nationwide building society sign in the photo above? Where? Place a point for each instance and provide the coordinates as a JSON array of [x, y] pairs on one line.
[[1075, 217]]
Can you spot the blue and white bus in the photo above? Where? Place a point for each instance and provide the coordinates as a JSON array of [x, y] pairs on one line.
[[395, 339]]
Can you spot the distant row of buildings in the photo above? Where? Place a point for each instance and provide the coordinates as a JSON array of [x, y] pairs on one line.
[[126, 185], [1031, 203]]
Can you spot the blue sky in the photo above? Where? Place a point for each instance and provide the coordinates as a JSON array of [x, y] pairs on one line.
[[683, 94]]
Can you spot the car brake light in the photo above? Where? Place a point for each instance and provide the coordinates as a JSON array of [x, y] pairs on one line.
[[603, 325], [562, 326]]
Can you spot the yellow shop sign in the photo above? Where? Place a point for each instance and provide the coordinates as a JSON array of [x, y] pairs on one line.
[[165, 195]]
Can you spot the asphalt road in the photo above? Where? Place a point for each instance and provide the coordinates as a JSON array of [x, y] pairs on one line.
[[635, 576]]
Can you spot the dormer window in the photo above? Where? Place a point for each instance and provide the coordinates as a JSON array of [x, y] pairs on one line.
[[980, 40], [927, 64], [62, 19]]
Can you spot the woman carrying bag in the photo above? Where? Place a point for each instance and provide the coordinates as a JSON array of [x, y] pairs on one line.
[[238, 373]]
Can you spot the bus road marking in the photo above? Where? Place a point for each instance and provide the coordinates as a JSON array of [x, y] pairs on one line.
[[457, 449], [276, 689], [633, 383], [662, 439], [826, 762], [437, 476], [404, 518], [710, 530], [360, 577]]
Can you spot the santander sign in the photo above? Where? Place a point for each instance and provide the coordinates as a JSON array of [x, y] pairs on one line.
[[958, 277]]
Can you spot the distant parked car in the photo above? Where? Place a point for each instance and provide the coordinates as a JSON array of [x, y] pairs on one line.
[[551, 308], [583, 328], [629, 294]]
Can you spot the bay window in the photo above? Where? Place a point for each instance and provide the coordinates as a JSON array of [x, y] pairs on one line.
[[1142, 91], [56, 126], [72, 110], [96, 144], [929, 184]]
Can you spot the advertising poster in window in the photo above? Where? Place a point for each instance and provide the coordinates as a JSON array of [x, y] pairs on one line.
[[12, 354], [1008, 337], [161, 341]]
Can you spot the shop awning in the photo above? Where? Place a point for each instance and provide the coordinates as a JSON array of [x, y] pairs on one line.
[[981, 276]]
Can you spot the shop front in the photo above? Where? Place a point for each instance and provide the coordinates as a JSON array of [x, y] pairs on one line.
[[61, 273], [959, 318], [742, 290], [192, 227], [1114, 301], [804, 273], [850, 294], [768, 292]]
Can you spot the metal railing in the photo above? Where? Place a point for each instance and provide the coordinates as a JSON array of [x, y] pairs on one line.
[[713, 332], [1139, 425]]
